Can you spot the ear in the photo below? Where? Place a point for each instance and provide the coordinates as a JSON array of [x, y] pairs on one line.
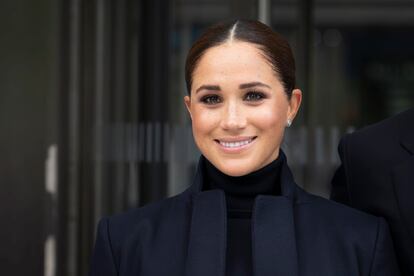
[[294, 104], [187, 101]]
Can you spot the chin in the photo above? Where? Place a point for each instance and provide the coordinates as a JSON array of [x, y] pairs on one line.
[[236, 169]]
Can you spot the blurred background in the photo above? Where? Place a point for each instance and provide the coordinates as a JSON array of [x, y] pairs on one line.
[[92, 120]]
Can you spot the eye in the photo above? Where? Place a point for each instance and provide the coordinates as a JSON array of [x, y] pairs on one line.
[[211, 99], [254, 96]]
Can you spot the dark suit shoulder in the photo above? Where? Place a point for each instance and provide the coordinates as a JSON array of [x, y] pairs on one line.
[[379, 145], [386, 129]]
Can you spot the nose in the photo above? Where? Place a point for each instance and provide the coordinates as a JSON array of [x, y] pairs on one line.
[[234, 117]]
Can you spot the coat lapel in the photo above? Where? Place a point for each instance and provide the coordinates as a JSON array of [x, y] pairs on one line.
[[403, 180], [207, 243], [406, 131], [273, 230], [407, 140], [403, 173], [273, 237]]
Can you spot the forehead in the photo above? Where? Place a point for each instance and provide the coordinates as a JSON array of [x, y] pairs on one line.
[[233, 61]]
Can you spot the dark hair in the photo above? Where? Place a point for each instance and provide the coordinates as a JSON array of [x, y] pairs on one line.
[[275, 48]]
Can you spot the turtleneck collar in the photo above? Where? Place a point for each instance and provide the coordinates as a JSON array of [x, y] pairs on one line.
[[240, 191]]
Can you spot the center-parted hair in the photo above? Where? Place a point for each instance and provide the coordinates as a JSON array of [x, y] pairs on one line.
[[275, 48]]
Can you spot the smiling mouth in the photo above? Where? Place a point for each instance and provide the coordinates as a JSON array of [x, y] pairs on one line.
[[236, 144]]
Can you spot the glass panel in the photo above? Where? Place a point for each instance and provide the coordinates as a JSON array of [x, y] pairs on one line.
[[362, 72]]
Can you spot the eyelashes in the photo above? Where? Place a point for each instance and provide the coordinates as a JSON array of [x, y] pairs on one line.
[[211, 99], [250, 96], [254, 96]]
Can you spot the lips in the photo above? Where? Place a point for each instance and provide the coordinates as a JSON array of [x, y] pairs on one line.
[[235, 143]]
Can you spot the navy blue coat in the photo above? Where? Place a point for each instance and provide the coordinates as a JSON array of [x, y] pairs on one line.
[[377, 176], [292, 234]]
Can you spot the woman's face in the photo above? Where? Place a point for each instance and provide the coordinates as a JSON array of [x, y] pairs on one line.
[[238, 107]]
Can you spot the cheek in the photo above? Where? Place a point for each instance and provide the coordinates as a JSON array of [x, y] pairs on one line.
[[203, 122], [270, 118]]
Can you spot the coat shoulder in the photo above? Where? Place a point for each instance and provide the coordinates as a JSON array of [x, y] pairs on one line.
[[124, 225], [385, 130], [347, 233], [376, 145], [343, 216], [335, 215]]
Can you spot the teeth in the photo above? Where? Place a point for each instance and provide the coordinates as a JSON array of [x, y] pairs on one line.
[[235, 144]]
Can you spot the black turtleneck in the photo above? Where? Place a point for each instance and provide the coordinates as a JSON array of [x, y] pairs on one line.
[[240, 194]]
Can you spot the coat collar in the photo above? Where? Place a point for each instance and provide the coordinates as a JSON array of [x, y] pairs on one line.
[[407, 132], [273, 229], [289, 189]]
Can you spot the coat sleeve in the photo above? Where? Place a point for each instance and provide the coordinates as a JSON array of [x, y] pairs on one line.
[[102, 262], [339, 183]]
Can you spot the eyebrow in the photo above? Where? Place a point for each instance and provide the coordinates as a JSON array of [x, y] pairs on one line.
[[253, 84], [241, 86], [209, 87]]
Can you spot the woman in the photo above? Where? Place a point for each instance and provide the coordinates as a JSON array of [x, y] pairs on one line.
[[243, 215]]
